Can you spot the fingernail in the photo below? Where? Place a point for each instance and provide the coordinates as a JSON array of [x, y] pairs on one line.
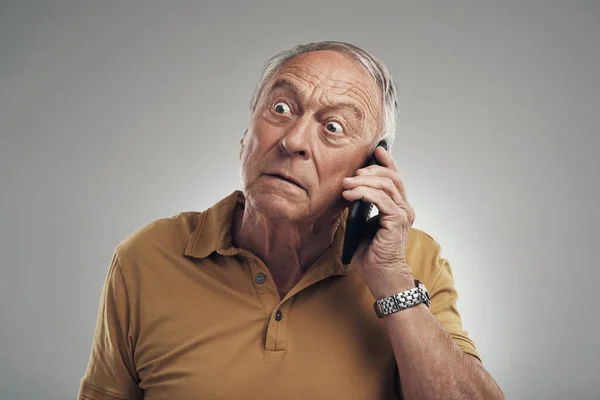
[[348, 178]]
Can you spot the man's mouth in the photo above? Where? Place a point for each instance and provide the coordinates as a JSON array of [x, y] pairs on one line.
[[285, 179]]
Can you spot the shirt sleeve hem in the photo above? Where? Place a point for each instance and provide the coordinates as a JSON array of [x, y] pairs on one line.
[[91, 392], [466, 346]]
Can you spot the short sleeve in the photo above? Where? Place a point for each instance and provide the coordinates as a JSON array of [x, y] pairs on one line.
[[111, 371], [443, 305]]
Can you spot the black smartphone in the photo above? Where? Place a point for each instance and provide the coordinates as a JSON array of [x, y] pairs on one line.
[[358, 224]]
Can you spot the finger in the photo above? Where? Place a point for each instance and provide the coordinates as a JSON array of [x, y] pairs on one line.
[[387, 172], [394, 165], [379, 198], [384, 157], [387, 160], [376, 182]]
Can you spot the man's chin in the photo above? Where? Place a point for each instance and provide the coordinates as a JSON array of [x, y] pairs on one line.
[[278, 205]]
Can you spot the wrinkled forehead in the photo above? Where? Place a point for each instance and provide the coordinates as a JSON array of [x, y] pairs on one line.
[[331, 69], [336, 74]]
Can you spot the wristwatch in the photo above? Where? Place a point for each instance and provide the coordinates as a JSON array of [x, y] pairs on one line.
[[401, 301]]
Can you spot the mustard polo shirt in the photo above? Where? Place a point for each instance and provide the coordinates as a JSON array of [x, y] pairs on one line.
[[185, 315]]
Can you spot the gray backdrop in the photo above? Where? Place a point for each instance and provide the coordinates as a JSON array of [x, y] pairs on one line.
[[115, 113]]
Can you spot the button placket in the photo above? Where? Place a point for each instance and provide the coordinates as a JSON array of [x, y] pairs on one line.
[[276, 339], [276, 311], [266, 292]]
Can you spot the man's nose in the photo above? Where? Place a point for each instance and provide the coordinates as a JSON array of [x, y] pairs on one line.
[[297, 138]]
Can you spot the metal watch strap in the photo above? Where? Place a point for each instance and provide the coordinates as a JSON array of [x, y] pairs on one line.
[[402, 301]]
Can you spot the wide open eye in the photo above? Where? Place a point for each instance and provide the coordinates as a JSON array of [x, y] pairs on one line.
[[334, 127], [281, 108]]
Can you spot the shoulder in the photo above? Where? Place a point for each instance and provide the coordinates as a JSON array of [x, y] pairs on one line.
[[164, 235], [420, 241], [423, 254]]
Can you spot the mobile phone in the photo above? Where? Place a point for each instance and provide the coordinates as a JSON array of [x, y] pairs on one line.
[[358, 224]]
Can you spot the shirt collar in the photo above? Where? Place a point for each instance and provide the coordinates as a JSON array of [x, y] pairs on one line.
[[213, 233]]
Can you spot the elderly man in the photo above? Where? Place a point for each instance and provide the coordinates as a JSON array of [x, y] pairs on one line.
[[249, 299]]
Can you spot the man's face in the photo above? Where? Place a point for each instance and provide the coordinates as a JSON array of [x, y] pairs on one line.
[[315, 123]]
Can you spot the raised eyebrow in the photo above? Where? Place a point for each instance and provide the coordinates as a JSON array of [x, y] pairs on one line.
[[284, 83], [348, 106]]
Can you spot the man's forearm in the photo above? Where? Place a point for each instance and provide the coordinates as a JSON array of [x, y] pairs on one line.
[[430, 363]]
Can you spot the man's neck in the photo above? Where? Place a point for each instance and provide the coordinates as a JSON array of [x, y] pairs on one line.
[[286, 249]]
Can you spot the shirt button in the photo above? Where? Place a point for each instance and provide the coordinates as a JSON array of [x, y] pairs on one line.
[[278, 315], [260, 278]]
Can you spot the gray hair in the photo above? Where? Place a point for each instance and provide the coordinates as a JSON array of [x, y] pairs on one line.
[[371, 64]]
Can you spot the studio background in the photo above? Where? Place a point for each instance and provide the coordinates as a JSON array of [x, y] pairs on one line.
[[117, 113]]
